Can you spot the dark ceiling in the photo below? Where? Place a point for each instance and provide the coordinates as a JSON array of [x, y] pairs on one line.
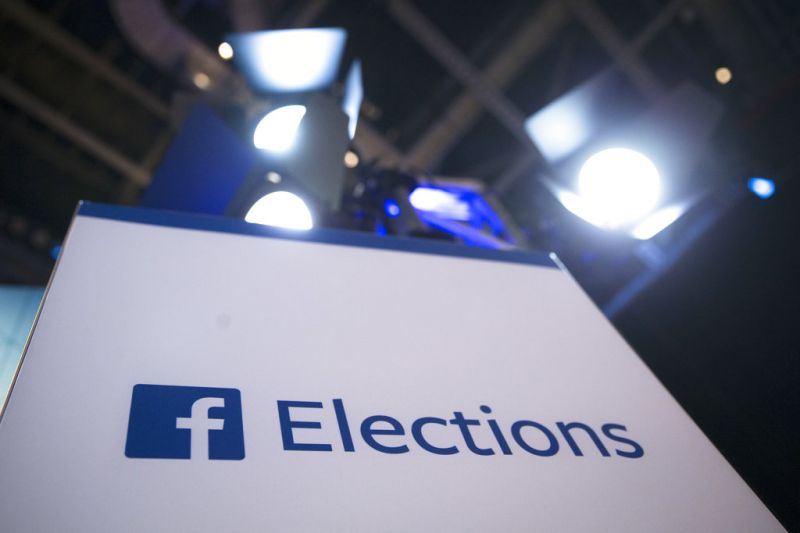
[[86, 113]]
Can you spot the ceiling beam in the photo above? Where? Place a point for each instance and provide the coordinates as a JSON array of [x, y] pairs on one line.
[[45, 144], [42, 112], [247, 15], [484, 87], [435, 42], [60, 39], [310, 11], [624, 55]]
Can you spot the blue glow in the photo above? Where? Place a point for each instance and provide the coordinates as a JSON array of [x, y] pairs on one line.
[[55, 251], [442, 202], [391, 208], [282, 61], [463, 212], [761, 187]]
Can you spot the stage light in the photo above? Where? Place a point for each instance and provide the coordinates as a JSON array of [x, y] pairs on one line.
[[283, 61], [655, 223], [225, 50], [201, 80], [282, 209], [618, 186], [723, 75], [274, 177], [439, 202], [761, 187], [277, 131]]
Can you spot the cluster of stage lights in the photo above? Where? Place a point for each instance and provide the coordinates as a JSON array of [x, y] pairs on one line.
[[276, 133], [290, 62], [617, 188]]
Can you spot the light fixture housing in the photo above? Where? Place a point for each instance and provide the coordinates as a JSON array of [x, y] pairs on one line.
[[289, 61], [608, 181]]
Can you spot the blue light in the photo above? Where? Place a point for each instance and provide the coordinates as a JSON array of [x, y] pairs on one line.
[[55, 251], [445, 203], [463, 212], [761, 187], [391, 208]]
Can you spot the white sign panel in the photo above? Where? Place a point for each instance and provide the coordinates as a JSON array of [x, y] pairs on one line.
[[203, 374]]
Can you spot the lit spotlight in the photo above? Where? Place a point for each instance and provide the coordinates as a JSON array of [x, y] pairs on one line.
[[761, 187], [273, 177], [723, 75], [277, 131], [282, 209], [655, 223], [350, 159], [298, 60], [618, 186], [201, 80], [225, 50]]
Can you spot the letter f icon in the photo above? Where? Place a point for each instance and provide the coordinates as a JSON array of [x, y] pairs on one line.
[[200, 424]]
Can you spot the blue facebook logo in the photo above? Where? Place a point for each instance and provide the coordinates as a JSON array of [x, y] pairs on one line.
[[170, 422]]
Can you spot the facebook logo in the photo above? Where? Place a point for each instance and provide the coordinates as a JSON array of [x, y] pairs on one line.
[[170, 422]]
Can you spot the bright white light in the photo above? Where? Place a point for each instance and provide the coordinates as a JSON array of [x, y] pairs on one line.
[[277, 131], [225, 50], [558, 129], [282, 209], [440, 202], [652, 225], [580, 207], [618, 186], [295, 60]]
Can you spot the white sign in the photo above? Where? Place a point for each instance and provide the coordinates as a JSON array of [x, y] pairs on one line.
[[203, 374]]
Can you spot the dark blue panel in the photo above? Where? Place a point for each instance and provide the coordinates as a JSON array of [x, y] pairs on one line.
[[202, 169]]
